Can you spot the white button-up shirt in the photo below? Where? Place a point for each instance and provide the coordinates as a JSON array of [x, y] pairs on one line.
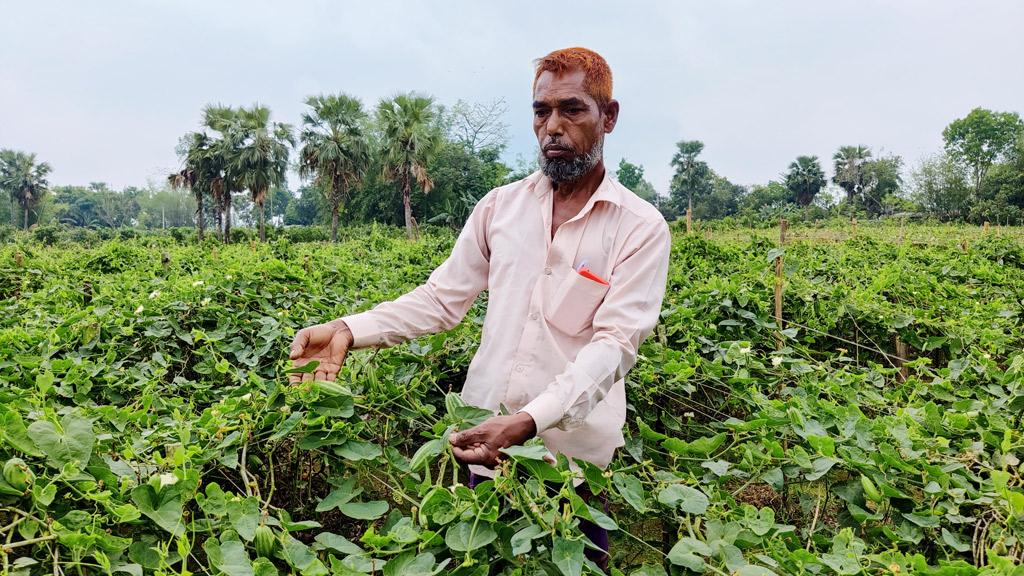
[[555, 343]]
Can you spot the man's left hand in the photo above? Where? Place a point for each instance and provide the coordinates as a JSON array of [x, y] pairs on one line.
[[480, 444]]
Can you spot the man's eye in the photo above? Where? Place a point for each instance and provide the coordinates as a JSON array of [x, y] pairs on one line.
[[540, 113]]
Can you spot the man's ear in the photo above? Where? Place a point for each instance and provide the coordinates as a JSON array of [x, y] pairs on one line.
[[611, 115]]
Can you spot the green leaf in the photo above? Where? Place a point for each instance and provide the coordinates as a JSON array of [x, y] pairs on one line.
[[337, 543], [356, 450], [824, 445], [631, 490], [12, 429], [229, 557], [820, 467], [411, 564], [531, 452], [686, 498], [465, 537], [954, 541], [923, 520], [339, 496], [522, 541], [567, 555], [166, 512], [687, 553], [364, 510], [300, 557], [72, 442], [307, 368]]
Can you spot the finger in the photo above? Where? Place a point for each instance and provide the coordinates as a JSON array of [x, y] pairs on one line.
[[331, 374], [299, 344], [294, 378], [307, 377], [467, 437], [477, 455], [320, 375]]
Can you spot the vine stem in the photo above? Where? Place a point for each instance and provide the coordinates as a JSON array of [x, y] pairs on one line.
[[8, 547]]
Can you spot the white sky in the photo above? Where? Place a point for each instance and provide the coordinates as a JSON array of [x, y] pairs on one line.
[[103, 90]]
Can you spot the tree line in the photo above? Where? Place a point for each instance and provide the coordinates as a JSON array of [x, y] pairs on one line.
[[410, 157], [978, 177]]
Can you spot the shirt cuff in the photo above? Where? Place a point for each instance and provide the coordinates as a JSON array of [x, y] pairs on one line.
[[365, 331], [545, 410]]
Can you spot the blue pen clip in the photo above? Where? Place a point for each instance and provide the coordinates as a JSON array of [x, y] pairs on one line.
[[582, 265]]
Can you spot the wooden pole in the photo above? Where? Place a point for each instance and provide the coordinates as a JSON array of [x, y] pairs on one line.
[[901, 358], [985, 227], [778, 281], [689, 220]]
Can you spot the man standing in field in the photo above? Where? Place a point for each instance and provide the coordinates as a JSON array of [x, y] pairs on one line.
[[575, 267]]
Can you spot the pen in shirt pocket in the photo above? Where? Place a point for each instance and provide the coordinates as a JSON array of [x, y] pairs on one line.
[[582, 270]]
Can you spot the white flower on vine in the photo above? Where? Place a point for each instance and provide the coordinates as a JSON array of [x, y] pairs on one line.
[[168, 479], [139, 309], [776, 360], [197, 283]]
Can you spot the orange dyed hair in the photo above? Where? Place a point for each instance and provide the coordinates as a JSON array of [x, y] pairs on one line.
[[597, 75]]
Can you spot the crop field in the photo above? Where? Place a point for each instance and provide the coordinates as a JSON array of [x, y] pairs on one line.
[[147, 425]]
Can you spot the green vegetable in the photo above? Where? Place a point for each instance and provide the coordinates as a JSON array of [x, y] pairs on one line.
[[265, 540], [18, 475], [870, 490]]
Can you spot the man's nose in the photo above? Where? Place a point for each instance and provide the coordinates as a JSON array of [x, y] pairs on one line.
[[554, 124]]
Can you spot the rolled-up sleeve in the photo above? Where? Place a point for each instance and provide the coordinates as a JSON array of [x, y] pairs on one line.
[[443, 300], [624, 319]]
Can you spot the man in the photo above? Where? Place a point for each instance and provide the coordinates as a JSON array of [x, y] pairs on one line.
[[575, 267]]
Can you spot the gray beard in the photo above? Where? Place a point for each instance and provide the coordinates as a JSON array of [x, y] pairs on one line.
[[561, 170]]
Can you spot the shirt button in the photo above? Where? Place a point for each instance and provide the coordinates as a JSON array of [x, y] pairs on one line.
[[533, 316], [520, 368], [547, 271]]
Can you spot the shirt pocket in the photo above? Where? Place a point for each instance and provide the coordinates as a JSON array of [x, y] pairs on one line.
[[574, 303]]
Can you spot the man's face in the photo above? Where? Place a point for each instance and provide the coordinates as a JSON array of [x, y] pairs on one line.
[[569, 124]]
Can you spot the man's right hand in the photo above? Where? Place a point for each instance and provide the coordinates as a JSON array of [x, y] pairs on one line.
[[327, 343]]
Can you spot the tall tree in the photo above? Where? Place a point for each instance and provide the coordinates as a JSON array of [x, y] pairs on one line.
[[261, 157], [335, 150], [23, 179], [805, 179], [849, 169], [980, 139], [693, 177], [478, 126], [632, 176], [201, 172], [409, 139], [225, 120], [882, 183]]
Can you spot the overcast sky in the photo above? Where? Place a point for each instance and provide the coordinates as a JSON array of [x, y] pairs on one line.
[[103, 90]]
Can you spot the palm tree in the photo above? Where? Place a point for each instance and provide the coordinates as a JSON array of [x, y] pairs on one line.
[[805, 179], [23, 179], [261, 158], [8, 158], [225, 121], [335, 150], [849, 167], [410, 138], [692, 175], [201, 172]]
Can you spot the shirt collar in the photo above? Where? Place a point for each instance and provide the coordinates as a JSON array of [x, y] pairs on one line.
[[607, 191]]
